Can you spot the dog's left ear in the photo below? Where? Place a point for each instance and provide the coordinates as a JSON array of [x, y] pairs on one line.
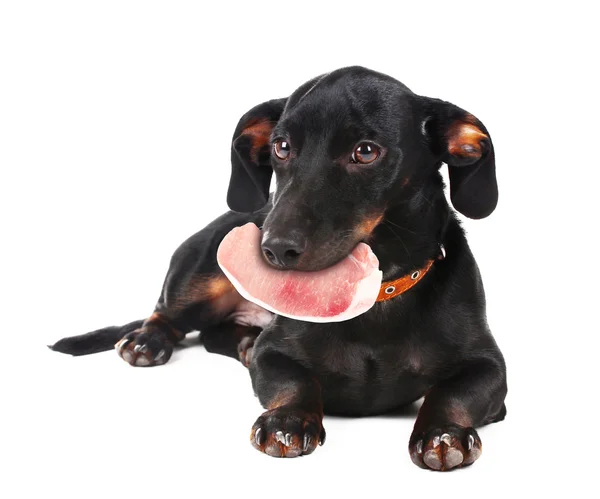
[[462, 142], [251, 170]]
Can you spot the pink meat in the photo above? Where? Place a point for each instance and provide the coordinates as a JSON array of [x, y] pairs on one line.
[[338, 293]]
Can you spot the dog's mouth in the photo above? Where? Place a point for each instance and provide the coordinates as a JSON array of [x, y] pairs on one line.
[[314, 255], [337, 291]]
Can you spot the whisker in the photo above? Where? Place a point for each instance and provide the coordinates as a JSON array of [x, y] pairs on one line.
[[398, 236], [420, 193], [399, 226]]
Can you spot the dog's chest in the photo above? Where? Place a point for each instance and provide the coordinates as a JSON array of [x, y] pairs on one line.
[[379, 361], [247, 313], [364, 379]]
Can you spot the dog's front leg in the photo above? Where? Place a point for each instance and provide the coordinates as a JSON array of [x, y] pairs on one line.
[[293, 423], [444, 435]]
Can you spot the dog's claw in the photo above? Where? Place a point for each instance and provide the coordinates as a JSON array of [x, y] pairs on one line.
[[322, 437], [446, 439], [141, 348], [470, 442], [257, 436], [279, 437], [420, 447], [306, 442], [122, 344]]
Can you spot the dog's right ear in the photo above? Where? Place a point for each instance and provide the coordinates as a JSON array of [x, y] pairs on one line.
[[251, 170]]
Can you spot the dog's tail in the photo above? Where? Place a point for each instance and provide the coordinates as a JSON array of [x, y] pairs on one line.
[[96, 341]]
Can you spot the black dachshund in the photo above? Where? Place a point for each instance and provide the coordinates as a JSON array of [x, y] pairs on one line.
[[356, 156]]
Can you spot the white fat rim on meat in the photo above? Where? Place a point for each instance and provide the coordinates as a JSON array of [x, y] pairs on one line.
[[367, 287]]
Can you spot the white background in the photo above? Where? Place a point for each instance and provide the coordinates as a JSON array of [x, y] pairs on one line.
[[115, 125]]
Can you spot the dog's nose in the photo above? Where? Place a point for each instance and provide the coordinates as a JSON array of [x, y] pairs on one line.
[[283, 252]]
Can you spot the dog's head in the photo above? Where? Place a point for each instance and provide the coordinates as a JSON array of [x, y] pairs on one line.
[[344, 147]]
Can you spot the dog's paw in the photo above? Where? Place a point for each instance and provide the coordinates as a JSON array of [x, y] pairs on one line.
[[443, 449], [145, 348], [287, 432]]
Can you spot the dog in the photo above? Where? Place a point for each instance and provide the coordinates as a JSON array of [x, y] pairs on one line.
[[357, 157]]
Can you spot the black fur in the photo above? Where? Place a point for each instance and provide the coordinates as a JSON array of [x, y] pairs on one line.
[[433, 340]]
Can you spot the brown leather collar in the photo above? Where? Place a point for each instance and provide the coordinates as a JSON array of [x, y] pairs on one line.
[[391, 289]]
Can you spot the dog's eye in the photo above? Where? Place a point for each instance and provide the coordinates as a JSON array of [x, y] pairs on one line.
[[282, 149], [365, 153]]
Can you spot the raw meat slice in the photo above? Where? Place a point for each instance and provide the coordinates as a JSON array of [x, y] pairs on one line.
[[341, 292]]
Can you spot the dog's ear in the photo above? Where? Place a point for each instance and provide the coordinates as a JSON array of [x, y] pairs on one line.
[[251, 157], [462, 142]]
